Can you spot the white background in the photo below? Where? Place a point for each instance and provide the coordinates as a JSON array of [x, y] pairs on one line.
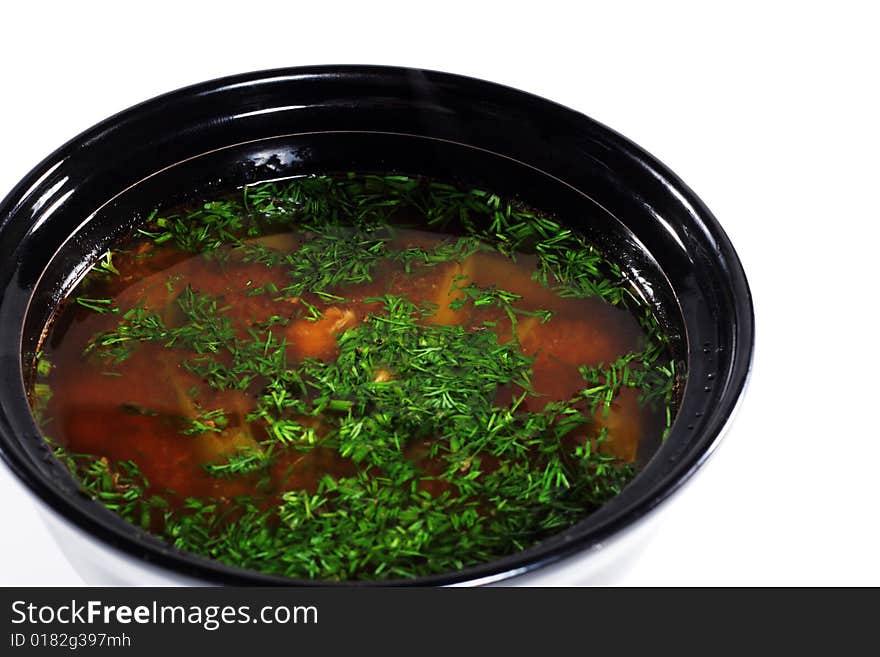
[[769, 111]]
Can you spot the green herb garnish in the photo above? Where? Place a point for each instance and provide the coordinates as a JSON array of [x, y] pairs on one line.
[[444, 461]]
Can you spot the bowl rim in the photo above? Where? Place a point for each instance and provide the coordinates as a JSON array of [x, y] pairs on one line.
[[202, 568]]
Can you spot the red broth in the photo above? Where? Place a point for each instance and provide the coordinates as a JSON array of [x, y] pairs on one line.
[[141, 408]]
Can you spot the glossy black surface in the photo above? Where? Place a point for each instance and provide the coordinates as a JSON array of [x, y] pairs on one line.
[[277, 123]]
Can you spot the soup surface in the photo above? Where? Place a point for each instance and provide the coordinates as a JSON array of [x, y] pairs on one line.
[[354, 377]]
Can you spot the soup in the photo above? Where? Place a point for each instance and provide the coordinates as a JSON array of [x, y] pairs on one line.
[[354, 377]]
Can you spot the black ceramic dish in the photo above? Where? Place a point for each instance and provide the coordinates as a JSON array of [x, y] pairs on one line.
[[272, 124]]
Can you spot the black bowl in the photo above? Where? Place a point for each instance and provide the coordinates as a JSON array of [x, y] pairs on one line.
[[272, 124]]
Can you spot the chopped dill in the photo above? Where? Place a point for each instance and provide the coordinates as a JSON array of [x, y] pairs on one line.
[[105, 265], [450, 455], [97, 305], [213, 421]]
